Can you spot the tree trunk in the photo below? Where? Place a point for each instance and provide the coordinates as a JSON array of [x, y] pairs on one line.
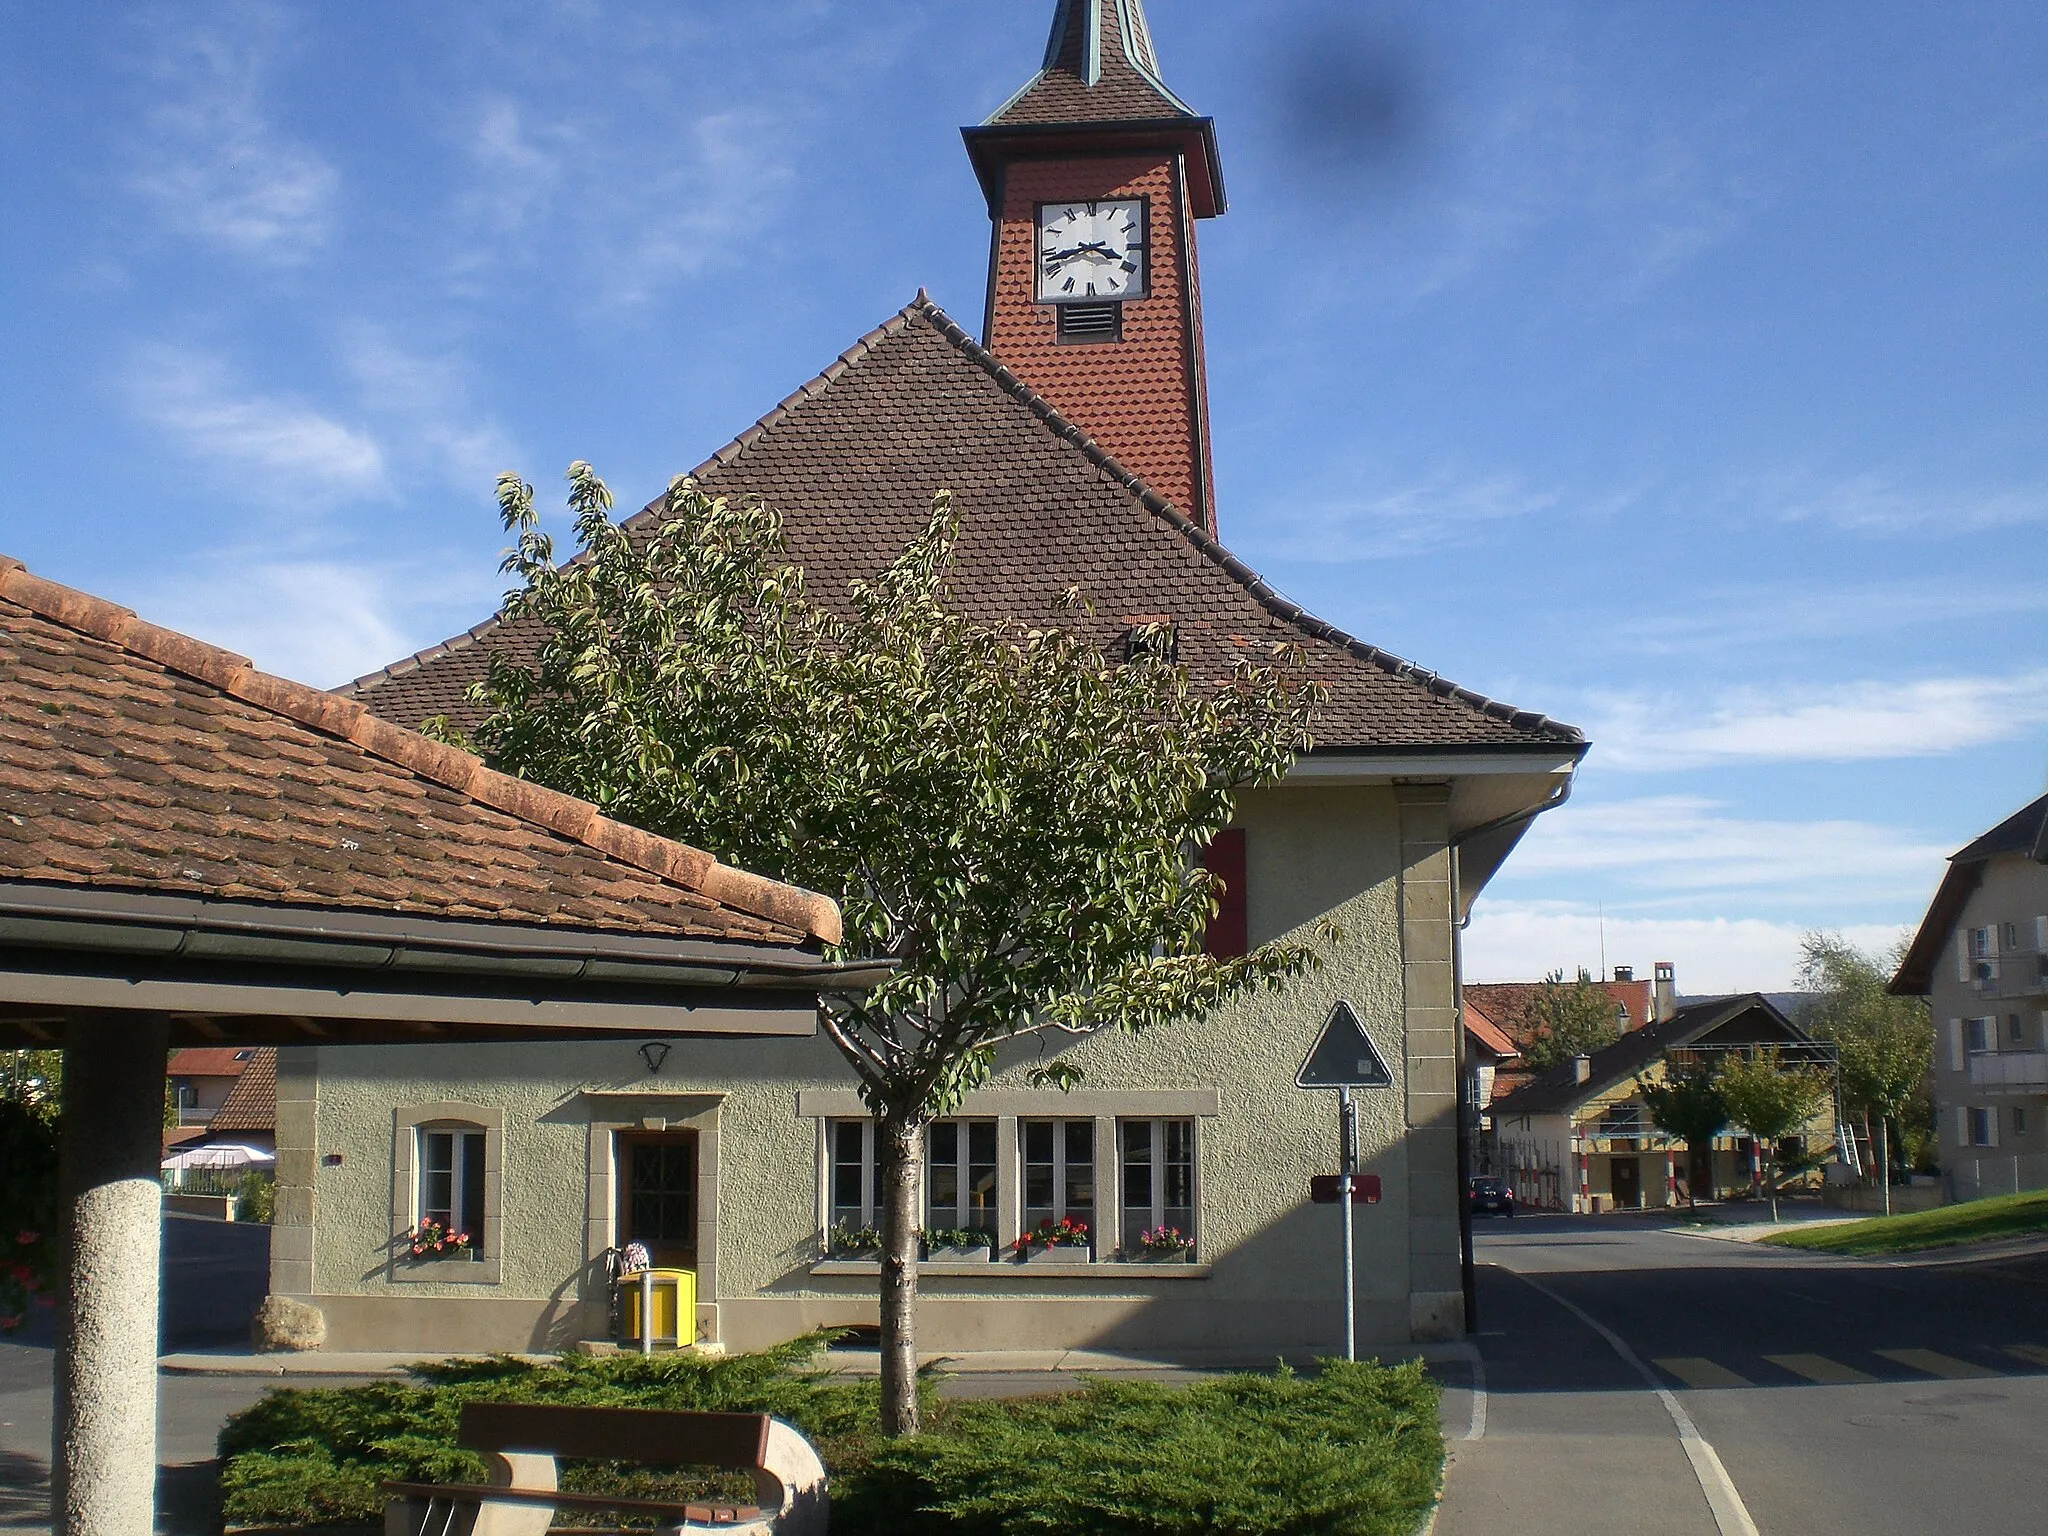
[[1884, 1160], [896, 1191]]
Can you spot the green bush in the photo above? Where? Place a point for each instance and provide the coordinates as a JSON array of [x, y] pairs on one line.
[[255, 1197], [1354, 1450]]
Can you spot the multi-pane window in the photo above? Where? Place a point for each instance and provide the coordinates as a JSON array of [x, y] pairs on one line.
[[1059, 1171], [1977, 1035], [1981, 947], [960, 1175], [2019, 1121], [1983, 1128], [451, 1181], [1158, 1177], [852, 1149], [2015, 1031]]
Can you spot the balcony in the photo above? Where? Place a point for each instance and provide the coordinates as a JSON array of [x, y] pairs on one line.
[[2010, 1069], [2015, 973]]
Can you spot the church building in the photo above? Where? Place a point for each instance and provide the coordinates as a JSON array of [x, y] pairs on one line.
[[1073, 432]]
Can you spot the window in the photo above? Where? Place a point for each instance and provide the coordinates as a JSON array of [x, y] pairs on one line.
[[960, 1175], [1059, 1171], [1981, 946], [2019, 1121], [1982, 1127], [451, 1181], [852, 1145], [2012, 935], [1159, 1177], [2015, 1031], [1977, 1035]]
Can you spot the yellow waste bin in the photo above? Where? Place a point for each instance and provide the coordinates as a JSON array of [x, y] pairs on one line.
[[661, 1307]]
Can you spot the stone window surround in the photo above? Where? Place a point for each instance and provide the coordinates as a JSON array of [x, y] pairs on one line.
[[1007, 1107], [641, 1109], [407, 1122]]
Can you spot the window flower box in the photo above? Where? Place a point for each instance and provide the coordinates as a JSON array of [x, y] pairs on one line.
[[431, 1241], [1057, 1256], [982, 1254], [1055, 1242], [844, 1242], [959, 1245], [1161, 1245]]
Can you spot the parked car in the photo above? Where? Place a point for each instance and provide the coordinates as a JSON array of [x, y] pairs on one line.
[[1487, 1193]]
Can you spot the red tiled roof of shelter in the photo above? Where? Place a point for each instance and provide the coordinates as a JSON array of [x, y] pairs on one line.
[[1486, 1032], [1099, 67], [136, 758], [210, 1060], [851, 460], [251, 1105]]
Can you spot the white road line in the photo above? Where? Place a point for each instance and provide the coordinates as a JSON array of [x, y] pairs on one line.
[[1731, 1515], [1476, 1430]]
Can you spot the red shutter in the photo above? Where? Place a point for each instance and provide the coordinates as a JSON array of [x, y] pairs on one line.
[[1224, 859]]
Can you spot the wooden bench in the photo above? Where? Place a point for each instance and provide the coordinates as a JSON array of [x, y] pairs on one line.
[[522, 1442]]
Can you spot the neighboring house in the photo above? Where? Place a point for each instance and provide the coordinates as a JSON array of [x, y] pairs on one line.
[[1074, 437], [202, 1077], [1579, 1136], [1505, 1005], [1488, 1052], [1980, 958]]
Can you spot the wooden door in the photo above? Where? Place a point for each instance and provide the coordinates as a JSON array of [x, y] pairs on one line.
[[657, 1183], [1625, 1176]]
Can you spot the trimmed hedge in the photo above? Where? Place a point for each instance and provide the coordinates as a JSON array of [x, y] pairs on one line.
[[1351, 1451]]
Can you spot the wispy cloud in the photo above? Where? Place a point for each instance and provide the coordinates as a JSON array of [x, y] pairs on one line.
[[1441, 511], [211, 162], [1663, 851], [270, 448], [1927, 717], [1768, 615], [1525, 940], [421, 402], [1882, 504]]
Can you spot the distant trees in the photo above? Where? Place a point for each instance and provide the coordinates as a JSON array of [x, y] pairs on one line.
[[1884, 1044], [1687, 1106], [1770, 1098], [1565, 1019]]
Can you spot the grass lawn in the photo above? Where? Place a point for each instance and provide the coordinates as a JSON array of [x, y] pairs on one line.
[[1971, 1222], [1353, 1450]]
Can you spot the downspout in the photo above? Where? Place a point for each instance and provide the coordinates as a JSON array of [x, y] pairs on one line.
[[1468, 1273]]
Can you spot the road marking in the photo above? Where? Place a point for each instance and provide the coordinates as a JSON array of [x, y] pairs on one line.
[[1476, 1428], [1731, 1515], [1820, 1368], [1695, 1372], [2030, 1352], [1934, 1363]]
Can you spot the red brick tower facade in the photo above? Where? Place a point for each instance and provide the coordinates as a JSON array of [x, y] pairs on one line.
[[1095, 173]]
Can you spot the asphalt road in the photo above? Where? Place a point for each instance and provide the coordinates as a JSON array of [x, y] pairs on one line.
[[1874, 1397]]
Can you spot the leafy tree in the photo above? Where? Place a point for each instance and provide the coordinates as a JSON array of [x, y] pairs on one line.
[[31, 1084], [1566, 1019], [1687, 1105], [1884, 1044], [1008, 815], [1770, 1099]]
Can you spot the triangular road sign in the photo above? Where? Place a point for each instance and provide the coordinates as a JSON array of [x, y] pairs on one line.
[[1343, 1056]]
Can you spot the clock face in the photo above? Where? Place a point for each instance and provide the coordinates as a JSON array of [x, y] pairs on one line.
[[1091, 252]]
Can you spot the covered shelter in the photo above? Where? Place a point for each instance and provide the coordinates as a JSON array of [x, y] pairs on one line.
[[195, 853]]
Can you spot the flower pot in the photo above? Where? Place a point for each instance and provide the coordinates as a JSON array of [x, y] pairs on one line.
[[1058, 1256], [978, 1255], [1184, 1256]]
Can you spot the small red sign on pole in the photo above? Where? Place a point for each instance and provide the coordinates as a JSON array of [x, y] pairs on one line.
[[1327, 1188]]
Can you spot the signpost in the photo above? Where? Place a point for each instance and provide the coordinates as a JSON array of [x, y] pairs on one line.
[[1343, 1058]]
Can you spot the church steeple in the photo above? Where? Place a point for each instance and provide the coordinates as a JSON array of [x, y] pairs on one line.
[[1095, 172]]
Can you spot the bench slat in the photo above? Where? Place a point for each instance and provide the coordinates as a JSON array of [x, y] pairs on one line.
[[658, 1436], [732, 1514]]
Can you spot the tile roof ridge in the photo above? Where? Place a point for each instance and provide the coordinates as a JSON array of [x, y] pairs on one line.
[[1262, 591], [343, 718]]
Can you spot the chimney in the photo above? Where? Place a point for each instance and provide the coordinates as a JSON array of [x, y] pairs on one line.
[[1624, 973], [1582, 1069], [1667, 990]]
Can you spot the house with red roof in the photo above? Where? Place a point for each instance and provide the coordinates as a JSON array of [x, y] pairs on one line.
[[1073, 432]]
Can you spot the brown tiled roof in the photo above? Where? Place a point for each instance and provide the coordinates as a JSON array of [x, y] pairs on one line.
[[851, 461], [1108, 39], [251, 1105], [1486, 1032], [137, 759], [210, 1060], [1506, 1003]]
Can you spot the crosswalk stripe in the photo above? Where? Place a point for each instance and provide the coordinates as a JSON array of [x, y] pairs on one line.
[[1934, 1363], [2031, 1352], [1829, 1373], [1695, 1372]]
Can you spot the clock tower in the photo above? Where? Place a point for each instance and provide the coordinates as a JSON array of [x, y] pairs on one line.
[[1095, 173]]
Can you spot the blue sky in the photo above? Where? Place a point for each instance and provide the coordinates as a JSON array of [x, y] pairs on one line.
[[1678, 370]]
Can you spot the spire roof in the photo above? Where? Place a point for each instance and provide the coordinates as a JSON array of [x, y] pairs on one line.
[[1099, 67]]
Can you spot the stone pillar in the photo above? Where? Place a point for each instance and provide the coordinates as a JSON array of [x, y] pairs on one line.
[[103, 1450], [1429, 1010]]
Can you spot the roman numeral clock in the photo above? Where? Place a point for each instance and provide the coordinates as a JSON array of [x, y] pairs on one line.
[[1091, 257]]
